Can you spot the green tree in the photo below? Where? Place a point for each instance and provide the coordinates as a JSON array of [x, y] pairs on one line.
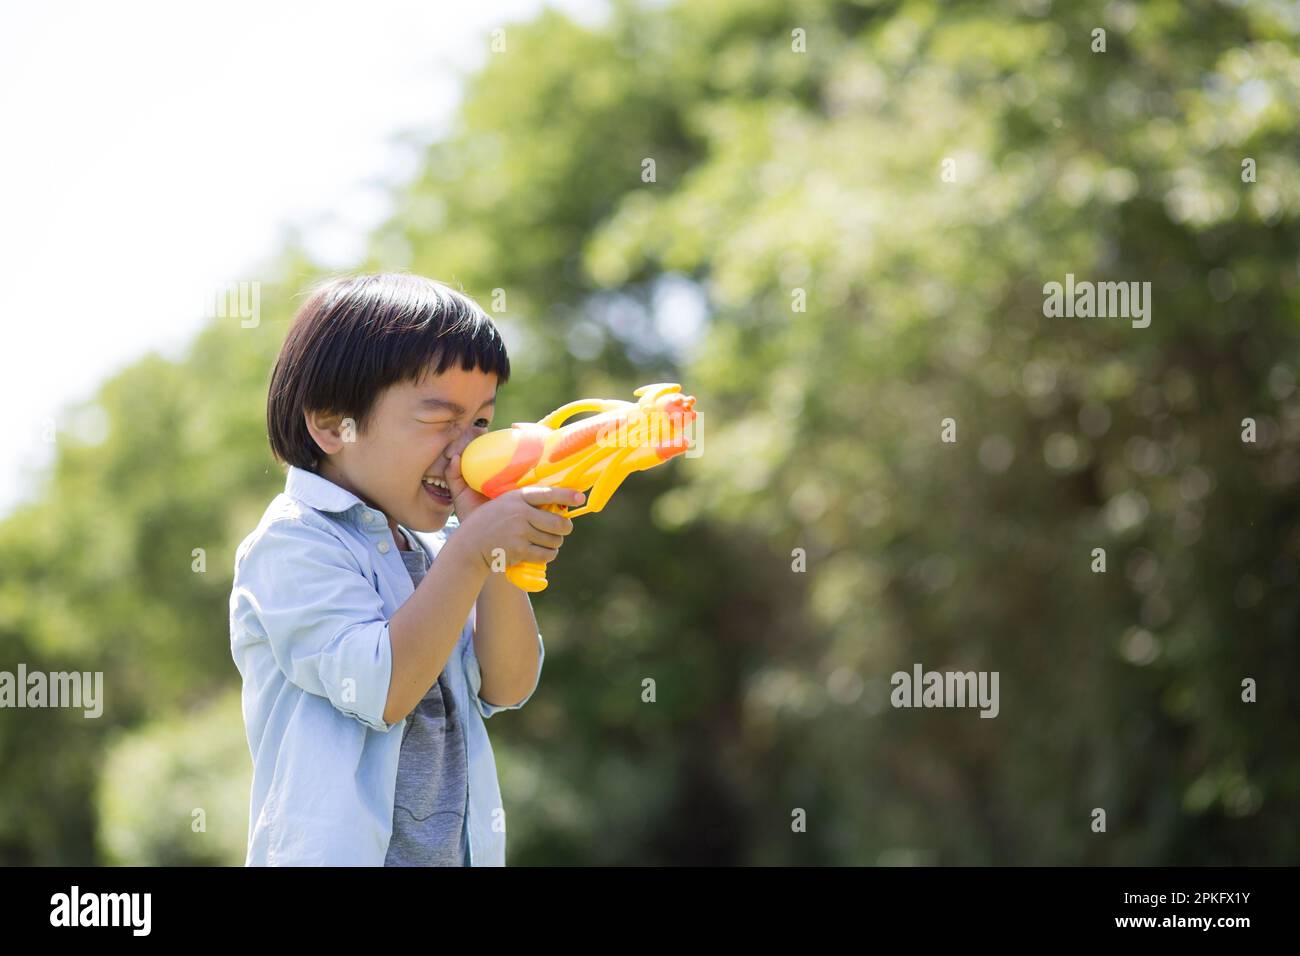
[[866, 201]]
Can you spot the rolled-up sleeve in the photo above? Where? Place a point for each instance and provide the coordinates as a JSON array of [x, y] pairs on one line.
[[302, 590], [474, 677]]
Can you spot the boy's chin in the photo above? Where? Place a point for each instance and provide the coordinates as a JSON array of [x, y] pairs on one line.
[[429, 525]]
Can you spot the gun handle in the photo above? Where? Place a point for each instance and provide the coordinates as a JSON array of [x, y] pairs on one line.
[[530, 576]]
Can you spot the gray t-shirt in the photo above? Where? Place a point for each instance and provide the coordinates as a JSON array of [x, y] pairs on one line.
[[432, 770]]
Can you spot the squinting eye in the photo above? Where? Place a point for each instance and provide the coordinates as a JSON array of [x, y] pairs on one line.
[[482, 423]]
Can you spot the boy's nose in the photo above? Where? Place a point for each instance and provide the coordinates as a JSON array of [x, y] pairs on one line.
[[456, 447]]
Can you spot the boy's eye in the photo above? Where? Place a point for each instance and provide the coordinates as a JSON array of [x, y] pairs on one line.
[[481, 423]]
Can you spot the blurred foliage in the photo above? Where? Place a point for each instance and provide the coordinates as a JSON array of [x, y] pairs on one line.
[[175, 792], [779, 171]]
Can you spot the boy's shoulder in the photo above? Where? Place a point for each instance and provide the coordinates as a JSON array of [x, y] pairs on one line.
[[287, 518]]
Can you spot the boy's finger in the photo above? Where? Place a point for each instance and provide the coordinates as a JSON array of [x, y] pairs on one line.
[[454, 478], [545, 540], [550, 523], [538, 495]]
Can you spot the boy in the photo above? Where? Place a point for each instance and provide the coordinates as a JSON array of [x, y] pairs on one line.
[[368, 666]]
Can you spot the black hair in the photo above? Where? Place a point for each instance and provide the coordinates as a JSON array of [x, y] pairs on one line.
[[355, 336]]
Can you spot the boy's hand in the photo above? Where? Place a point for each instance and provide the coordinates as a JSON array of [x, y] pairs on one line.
[[518, 525], [464, 499]]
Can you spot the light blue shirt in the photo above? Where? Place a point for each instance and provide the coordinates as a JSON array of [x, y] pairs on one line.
[[315, 586]]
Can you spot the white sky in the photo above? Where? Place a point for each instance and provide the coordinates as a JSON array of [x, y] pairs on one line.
[[153, 152]]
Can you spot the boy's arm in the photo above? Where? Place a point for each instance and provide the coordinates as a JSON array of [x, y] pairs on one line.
[[298, 588], [505, 643], [506, 649], [425, 629]]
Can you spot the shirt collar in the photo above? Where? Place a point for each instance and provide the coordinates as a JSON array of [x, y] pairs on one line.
[[317, 492], [323, 495]]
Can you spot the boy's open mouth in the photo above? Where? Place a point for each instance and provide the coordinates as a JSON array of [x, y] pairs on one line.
[[437, 489]]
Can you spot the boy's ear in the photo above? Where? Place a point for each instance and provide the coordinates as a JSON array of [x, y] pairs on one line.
[[330, 430]]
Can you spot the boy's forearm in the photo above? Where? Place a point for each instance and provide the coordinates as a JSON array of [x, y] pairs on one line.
[[426, 628], [505, 642]]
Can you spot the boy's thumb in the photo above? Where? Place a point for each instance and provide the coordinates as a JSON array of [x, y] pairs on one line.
[[455, 480]]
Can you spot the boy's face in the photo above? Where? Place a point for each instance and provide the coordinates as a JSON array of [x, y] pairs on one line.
[[410, 436]]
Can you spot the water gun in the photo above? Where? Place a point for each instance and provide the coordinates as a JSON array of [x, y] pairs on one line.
[[596, 453]]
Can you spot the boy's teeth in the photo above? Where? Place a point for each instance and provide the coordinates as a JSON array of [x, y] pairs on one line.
[[437, 482]]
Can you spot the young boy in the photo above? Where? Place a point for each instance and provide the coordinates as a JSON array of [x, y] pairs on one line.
[[368, 665]]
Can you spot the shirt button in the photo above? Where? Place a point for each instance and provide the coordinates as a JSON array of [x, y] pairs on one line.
[[383, 547], [367, 517]]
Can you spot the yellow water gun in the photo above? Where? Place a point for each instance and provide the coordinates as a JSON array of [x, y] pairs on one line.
[[596, 453]]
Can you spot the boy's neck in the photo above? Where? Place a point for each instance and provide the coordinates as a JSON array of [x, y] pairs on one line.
[[402, 543]]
